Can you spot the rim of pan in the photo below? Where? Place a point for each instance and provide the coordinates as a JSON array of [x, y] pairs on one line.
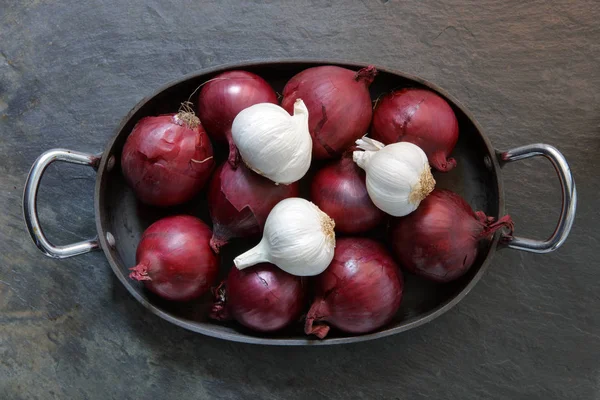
[[244, 338]]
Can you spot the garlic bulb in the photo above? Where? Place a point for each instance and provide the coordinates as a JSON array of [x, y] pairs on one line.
[[272, 142], [398, 175], [298, 238]]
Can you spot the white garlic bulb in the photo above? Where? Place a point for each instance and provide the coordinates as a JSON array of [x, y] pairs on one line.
[[398, 175], [274, 143], [298, 237]]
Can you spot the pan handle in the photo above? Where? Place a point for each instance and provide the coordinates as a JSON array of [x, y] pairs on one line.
[[30, 202], [569, 197]]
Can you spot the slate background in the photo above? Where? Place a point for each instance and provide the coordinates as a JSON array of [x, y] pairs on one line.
[[70, 70]]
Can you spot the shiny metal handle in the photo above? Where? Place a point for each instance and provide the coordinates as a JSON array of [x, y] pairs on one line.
[[30, 202], [569, 197]]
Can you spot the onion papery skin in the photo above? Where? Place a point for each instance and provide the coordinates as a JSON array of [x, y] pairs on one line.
[[223, 97], [262, 298], [338, 102], [239, 201], [174, 258], [421, 117], [339, 190], [439, 241], [359, 292], [166, 161]]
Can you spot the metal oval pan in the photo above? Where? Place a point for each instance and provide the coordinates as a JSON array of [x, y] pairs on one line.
[[120, 219]]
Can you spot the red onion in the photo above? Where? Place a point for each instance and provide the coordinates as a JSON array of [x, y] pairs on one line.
[[439, 240], [359, 292], [340, 191], [338, 102], [224, 96], [239, 202], [263, 298], [167, 159], [174, 258], [421, 117]]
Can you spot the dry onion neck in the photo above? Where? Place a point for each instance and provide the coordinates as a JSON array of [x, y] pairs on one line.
[[186, 116]]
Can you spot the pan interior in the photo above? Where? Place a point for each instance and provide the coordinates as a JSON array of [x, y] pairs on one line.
[[475, 178]]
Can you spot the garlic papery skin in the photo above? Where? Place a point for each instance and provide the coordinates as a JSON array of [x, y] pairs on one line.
[[298, 238], [398, 175], [274, 143]]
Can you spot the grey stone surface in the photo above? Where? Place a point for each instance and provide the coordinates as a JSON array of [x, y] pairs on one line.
[[529, 72]]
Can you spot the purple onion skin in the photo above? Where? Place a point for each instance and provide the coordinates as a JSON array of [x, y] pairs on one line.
[[263, 298], [174, 259], [439, 240], [338, 102], [359, 292], [166, 163], [421, 117], [223, 97], [239, 201], [339, 190]]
